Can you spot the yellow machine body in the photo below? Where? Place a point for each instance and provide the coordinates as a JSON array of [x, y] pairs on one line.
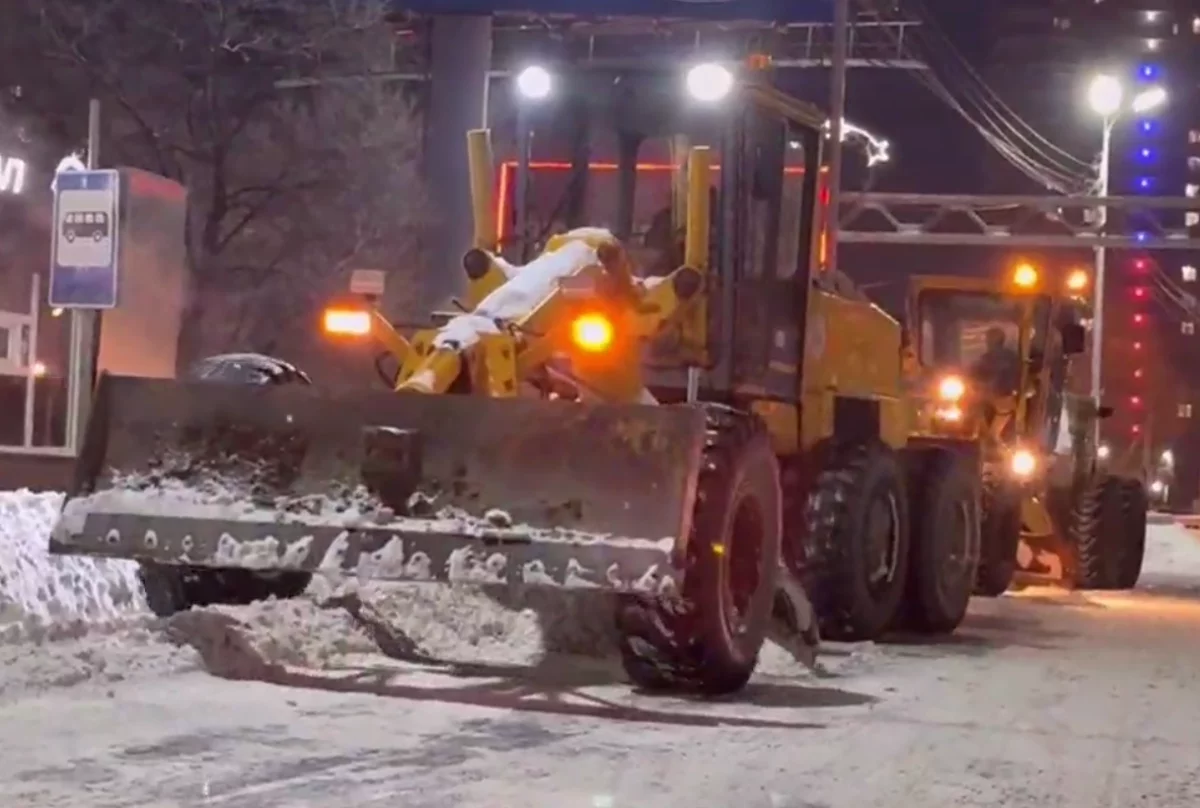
[[1012, 428]]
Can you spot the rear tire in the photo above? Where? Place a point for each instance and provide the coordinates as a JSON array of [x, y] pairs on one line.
[[857, 542], [945, 545], [1000, 535], [1132, 552], [709, 639], [1099, 528]]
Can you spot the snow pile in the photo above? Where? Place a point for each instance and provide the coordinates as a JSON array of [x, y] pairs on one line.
[[244, 642], [463, 622], [458, 623], [1172, 555], [43, 596]]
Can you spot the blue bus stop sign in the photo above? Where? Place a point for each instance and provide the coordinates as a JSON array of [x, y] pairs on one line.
[[84, 248]]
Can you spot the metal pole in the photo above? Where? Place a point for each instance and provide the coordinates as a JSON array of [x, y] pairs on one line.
[[35, 307], [84, 323], [524, 150], [1099, 259], [460, 53], [837, 106]]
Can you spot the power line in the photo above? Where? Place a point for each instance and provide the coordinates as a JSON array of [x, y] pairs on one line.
[[1028, 159], [1066, 160]]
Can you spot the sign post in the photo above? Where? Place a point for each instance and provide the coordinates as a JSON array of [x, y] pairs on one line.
[[85, 319]]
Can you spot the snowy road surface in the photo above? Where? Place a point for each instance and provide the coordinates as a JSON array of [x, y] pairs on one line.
[[1042, 699]]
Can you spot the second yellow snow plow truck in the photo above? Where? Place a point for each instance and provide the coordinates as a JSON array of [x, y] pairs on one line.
[[999, 352], [722, 445]]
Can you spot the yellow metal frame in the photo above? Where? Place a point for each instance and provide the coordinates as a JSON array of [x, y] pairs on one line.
[[496, 362]]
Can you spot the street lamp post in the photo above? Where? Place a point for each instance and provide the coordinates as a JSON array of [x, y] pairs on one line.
[[1105, 96], [534, 85]]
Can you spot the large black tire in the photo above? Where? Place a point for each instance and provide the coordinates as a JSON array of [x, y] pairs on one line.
[[1000, 536], [1132, 551], [171, 589], [708, 640], [856, 550], [945, 545], [1099, 527]]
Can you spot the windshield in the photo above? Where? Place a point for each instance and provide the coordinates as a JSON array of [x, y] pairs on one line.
[[649, 131], [967, 329]]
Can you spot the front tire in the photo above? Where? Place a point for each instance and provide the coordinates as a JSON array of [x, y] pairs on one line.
[[1000, 535], [708, 640], [1132, 552], [945, 545], [857, 542], [1099, 527]]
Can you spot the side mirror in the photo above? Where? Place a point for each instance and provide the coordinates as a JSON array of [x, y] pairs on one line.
[[1074, 339], [1104, 411]]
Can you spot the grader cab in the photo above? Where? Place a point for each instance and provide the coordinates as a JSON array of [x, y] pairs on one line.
[[1003, 351], [722, 443]]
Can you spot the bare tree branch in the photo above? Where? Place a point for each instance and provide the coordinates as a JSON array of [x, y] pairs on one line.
[[289, 190]]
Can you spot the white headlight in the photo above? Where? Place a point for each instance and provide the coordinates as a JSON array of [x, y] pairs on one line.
[[709, 82], [951, 388], [1023, 463]]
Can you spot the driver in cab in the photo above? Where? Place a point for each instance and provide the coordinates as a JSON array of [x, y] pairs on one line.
[[999, 368]]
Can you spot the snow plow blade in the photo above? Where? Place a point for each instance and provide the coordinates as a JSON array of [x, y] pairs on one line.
[[384, 485]]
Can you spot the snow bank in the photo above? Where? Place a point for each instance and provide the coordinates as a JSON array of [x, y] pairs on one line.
[[1172, 551], [44, 596]]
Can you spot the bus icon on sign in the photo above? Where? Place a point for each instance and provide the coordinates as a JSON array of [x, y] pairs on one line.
[[85, 225]]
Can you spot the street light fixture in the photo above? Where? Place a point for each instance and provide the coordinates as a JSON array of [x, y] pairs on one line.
[[1106, 95], [1149, 99], [535, 83], [709, 82]]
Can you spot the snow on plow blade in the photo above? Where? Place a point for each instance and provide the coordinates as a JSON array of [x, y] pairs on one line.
[[384, 485]]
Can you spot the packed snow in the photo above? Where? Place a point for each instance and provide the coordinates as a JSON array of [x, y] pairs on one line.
[[438, 696], [83, 601]]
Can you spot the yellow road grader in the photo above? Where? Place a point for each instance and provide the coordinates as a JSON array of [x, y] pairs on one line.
[[996, 355], [724, 445]]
